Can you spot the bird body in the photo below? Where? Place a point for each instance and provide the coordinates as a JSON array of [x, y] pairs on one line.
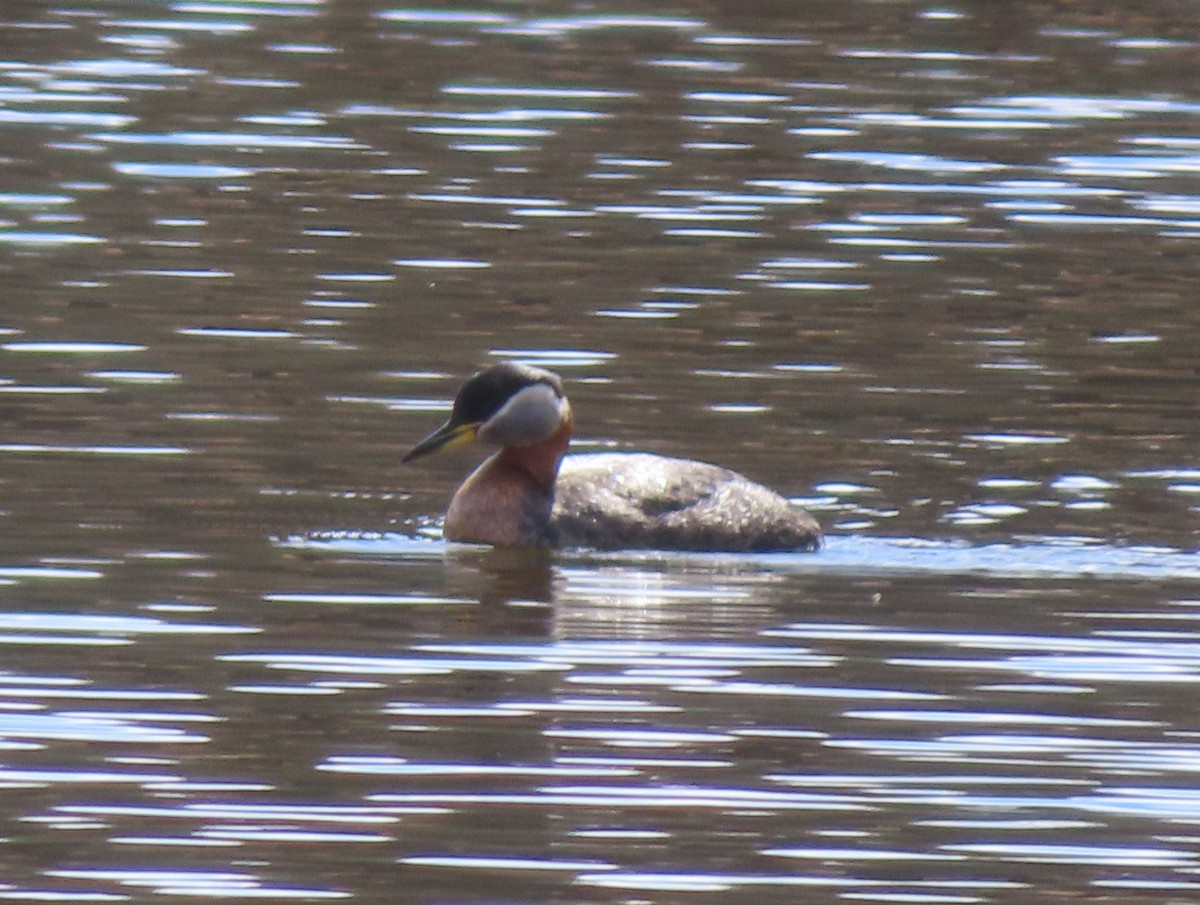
[[637, 500], [531, 494]]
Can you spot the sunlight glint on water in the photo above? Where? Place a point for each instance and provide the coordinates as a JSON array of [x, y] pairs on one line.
[[936, 288]]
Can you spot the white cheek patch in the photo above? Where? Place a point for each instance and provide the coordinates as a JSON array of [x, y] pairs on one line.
[[529, 417]]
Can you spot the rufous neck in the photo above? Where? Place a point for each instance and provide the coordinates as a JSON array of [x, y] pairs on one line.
[[541, 460]]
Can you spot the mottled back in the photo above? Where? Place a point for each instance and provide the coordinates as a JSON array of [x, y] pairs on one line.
[[641, 501]]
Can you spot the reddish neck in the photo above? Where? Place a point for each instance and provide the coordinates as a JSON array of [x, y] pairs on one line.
[[541, 460]]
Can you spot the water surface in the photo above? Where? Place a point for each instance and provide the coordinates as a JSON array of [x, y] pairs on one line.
[[928, 270]]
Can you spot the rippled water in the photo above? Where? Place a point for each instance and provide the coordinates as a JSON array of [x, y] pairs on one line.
[[929, 270]]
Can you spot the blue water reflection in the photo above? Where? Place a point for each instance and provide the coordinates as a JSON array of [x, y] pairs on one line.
[[1061, 558], [929, 271]]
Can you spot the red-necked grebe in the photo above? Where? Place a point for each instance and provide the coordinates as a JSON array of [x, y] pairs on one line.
[[528, 494]]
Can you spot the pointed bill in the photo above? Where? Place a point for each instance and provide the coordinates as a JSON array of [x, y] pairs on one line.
[[449, 436]]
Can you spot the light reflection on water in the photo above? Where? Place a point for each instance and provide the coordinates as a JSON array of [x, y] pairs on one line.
[[641, 736], [1049, 558], [924, 270]]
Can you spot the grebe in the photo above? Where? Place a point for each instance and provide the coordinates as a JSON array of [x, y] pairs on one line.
[[527, 494]]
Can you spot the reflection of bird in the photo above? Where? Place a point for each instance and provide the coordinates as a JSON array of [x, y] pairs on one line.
[[528, 494]]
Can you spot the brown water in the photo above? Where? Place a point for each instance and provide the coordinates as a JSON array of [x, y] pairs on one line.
[[930, 269]]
